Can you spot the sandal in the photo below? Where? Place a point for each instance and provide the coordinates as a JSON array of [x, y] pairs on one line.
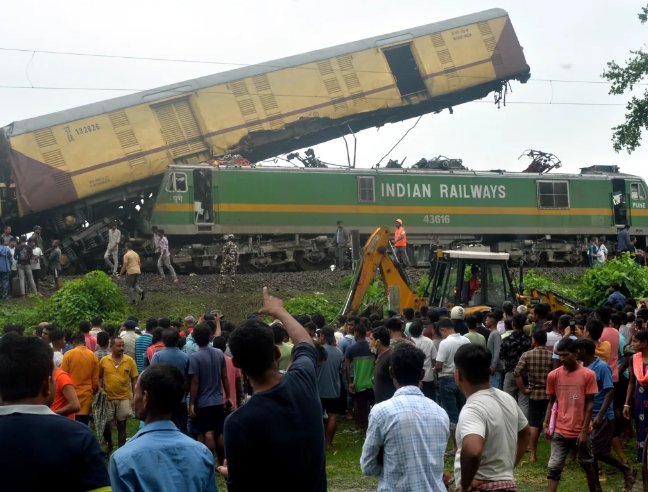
[[629, 483]]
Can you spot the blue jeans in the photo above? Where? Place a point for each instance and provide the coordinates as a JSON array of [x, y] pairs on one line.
[[451, 399], [4, 280], [496, 380]]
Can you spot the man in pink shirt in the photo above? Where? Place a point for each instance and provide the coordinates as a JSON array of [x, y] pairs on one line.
[[91, 342], [573, 387], [233, 375]]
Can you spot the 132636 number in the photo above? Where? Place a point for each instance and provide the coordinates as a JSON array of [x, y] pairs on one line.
[[436, 219]]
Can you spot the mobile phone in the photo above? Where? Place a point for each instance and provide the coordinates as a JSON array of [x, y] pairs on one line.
[[210, 317]]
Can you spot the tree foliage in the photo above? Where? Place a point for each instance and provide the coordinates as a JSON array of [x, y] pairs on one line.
[[623, 78]]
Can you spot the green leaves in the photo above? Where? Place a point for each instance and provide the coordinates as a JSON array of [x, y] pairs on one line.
[[313, 304], [623, 78], [593, 288], [93, 295]]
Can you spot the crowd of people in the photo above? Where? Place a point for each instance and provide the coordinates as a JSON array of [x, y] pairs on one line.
[[25, 260], [213, 397]]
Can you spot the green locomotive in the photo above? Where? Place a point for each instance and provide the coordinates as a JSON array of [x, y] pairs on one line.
[[285, 217]]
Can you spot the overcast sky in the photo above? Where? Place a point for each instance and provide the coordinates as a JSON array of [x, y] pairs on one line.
[[561, 39]]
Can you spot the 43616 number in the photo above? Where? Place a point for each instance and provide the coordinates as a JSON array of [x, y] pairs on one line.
[[436, 219]]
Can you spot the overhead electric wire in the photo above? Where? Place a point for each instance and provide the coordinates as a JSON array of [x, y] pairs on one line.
[[202, 91], [237, 64], [401, 139]]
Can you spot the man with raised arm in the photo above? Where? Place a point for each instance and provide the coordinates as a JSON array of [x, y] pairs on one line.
[[258, 429]]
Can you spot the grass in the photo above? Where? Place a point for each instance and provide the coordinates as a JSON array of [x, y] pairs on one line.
[[343, 466]]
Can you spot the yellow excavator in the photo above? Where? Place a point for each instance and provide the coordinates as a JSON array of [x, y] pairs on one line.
[[476, 280]]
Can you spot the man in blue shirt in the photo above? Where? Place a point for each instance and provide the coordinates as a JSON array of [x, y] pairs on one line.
[[208, 372], [283, 417], [176, 357], [27, 425], [592, 252], [6, 259], [159, 457], [408, 433], [623, 241], [603, 411], [615, 296]]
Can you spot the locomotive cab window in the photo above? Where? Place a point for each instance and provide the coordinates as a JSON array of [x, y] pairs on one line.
[[177, 182], [366, 191], [637, 191], [553, 194]]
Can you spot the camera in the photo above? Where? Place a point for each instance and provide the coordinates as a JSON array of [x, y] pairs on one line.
[[210, 317]]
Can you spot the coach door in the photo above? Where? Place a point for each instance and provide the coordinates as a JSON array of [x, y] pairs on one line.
[[203, 197], [619, 202]]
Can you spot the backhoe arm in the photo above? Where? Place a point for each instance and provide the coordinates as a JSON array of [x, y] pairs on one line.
[[374, 258]]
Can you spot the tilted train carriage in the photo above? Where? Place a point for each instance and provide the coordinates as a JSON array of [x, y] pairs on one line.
[[287, 216]]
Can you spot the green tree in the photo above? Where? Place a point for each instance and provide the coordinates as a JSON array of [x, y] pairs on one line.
[[623, 78]]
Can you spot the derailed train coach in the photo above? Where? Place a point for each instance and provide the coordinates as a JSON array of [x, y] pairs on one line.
[[286, 216], [73, 171]]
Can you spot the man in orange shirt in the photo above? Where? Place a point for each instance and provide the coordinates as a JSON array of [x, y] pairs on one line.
[[400, 243], [66, 401], [83, 366]]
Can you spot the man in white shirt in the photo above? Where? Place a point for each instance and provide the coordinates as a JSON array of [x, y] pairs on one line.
[[114, 237], [408, 433], [35, 262], [450, 398], [602, 251], [492, 432], [430, 351]]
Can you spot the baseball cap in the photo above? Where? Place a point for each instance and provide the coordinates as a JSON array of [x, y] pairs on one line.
[[443, 310], [130, 324], [391, 313]]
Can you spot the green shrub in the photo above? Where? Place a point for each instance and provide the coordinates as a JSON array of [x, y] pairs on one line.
[[541, 282], [313, 304], [93, 295], [595, 285]]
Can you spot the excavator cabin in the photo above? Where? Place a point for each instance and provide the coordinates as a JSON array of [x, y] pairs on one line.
[[477, 281]]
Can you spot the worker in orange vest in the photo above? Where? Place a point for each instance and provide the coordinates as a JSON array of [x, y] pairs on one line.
[[400, 243]]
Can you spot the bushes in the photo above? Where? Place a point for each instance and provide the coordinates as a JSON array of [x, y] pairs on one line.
[[534, 281], [592, 289], [313, 304], [632, 277], [93, 295]]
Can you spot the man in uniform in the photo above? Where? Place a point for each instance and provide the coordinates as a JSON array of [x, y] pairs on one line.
[[230, 259], [342, 242], [114, 237], [400, 243]]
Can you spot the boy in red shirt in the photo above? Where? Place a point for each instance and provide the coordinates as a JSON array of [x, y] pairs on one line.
[[572, 387]]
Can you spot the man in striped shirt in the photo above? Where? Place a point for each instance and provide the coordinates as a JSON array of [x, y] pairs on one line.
[[144, 342], [165, 257]]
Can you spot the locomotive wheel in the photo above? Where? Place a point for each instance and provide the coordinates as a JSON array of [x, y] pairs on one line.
[[308, 266], [249, 267]]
